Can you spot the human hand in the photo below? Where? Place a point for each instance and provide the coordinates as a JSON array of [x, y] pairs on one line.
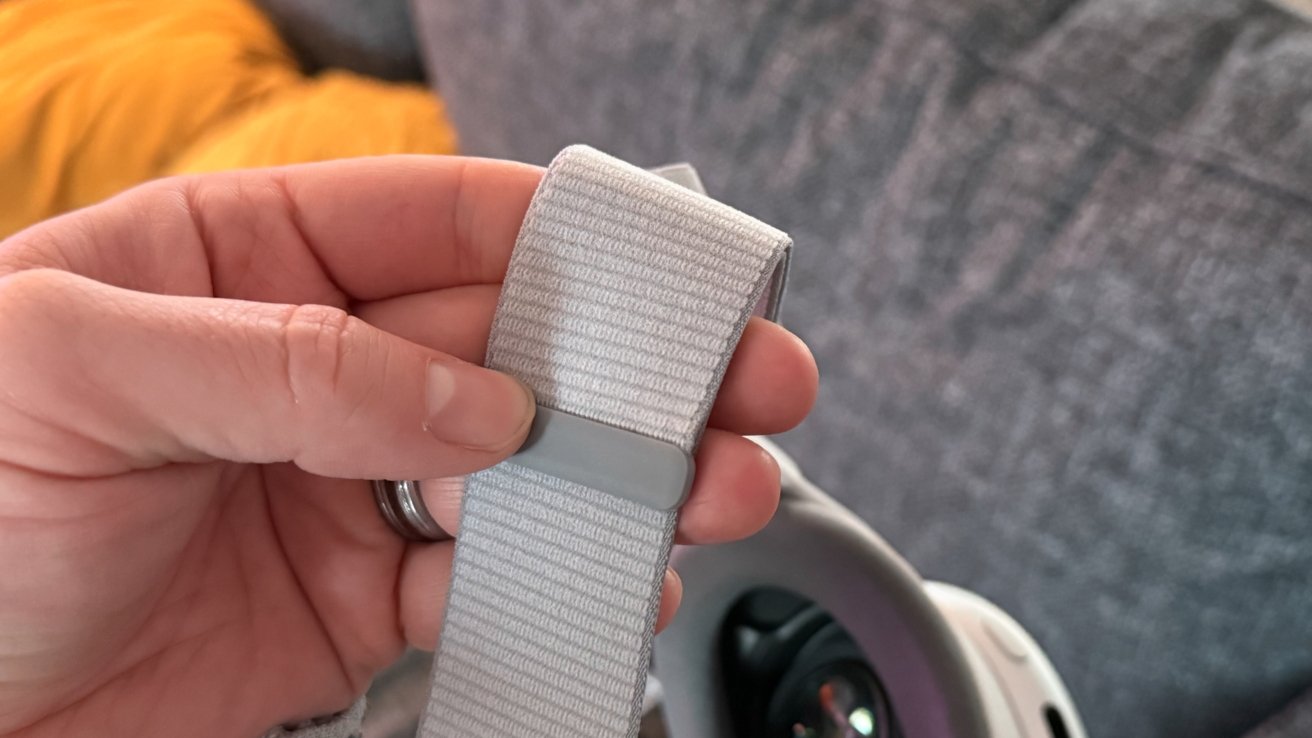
[[196, 378]]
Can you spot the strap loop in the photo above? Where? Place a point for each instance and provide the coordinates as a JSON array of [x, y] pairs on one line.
[[639, 468]]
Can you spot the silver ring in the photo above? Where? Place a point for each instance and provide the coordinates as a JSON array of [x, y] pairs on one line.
[[403, 508]]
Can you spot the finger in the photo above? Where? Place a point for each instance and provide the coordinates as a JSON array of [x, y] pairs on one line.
[[771, 382], [132, 379], [442, 497], [769, 387], [734, 494], [349, 229], [391, 225], [422, 589], [455, 320], [671, 596], [426, 576]]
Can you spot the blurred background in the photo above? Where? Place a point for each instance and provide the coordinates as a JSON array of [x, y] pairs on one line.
[[1054, 258]]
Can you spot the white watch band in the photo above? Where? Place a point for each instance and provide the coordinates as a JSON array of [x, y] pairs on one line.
[[625, 297]]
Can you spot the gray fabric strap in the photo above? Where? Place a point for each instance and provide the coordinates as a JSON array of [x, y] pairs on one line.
[[624, 300]]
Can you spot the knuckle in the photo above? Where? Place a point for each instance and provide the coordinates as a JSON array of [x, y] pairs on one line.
[[318, 341], [32, 298], [38, 320], [174, 187], [37, 247]]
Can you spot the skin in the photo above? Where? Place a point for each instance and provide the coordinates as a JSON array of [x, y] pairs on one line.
[[199, 375]]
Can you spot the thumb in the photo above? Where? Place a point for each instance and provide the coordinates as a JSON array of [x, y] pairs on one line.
[[132, 379]]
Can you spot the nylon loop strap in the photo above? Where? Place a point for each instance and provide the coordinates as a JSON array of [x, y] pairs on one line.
[[625, 297]]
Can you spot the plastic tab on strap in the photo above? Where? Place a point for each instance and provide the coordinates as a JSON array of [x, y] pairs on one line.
[[630, 465]]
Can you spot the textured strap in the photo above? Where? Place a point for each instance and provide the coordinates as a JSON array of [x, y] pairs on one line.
[[624, 300]]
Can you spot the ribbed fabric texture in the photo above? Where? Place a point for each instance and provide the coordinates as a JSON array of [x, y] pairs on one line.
[[624, 300]]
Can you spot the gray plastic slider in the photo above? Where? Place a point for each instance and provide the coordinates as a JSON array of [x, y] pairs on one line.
[[630, 465]]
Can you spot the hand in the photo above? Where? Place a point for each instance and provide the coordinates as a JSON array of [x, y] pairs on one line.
[[196, 378]]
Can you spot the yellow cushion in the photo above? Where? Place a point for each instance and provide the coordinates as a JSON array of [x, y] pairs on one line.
[[99, 95], [335, 115]]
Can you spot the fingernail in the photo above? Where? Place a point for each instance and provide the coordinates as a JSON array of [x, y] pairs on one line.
[[475, 407]]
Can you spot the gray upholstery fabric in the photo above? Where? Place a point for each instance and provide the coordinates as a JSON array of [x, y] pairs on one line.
[[1055, 259], [373, 37]]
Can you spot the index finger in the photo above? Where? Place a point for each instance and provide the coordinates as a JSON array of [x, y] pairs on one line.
[[353, 229], [403, 224]]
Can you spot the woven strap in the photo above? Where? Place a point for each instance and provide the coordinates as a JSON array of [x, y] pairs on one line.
[[624, 300]]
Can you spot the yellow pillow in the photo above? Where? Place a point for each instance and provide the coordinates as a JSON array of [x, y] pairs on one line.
[[334, 115], [99, 95]]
